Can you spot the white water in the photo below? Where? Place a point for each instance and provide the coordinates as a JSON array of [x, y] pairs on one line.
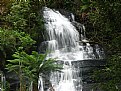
[[63, 44], [2, 81], [40, 84], [68, 79], [62, 36]]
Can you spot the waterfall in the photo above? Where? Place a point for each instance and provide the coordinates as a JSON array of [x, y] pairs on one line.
[[66, 45]]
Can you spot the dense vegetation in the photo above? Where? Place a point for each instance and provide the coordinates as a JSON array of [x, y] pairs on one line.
[[21, 31]]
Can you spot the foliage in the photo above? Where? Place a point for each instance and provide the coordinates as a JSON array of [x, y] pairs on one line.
[[105, 17], [18, 21], [25, 16], [69, 5], [109, 78], [12, 40], [21, 24], [28, 67]]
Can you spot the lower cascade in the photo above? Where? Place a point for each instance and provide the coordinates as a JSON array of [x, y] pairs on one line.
[[69, 48]]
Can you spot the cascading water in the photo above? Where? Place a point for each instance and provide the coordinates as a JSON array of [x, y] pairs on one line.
[[62, 36], [64, 45]]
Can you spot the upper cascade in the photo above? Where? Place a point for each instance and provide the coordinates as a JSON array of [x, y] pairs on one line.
[[61, 33], [63, 38]]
